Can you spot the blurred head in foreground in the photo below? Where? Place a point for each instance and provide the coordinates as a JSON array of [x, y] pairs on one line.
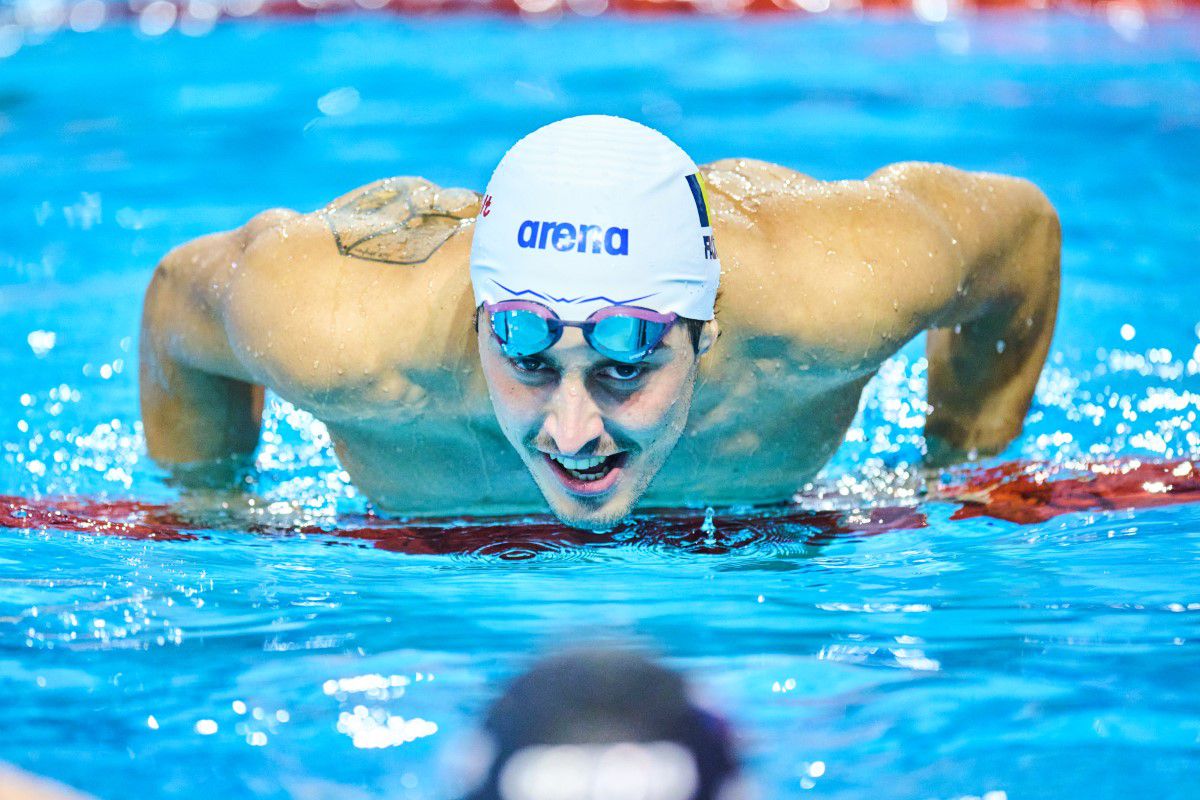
[[602, 725], [18, 785]]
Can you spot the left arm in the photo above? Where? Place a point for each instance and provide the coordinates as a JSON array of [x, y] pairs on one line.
[[988, 341], [847, 272]]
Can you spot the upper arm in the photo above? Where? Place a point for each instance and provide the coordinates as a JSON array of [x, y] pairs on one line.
[[995, 242], [962, 245], [199, 401], [340, 310], [185, 309], [851, 270], [333, 310]]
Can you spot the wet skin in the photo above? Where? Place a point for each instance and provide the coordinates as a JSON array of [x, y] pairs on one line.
[[362, 313]]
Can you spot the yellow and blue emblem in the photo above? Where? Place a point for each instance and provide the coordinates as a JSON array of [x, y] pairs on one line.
[[696, 184]]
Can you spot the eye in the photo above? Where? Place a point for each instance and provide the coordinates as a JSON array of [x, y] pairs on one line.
[[529, 365], [623, 373]]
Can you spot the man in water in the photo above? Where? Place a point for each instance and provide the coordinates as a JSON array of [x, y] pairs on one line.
[[556, 340]]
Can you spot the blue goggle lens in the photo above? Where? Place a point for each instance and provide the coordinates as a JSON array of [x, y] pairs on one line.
[[627, 339], [522, 333]]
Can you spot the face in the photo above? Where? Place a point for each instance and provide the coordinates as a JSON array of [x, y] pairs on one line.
[[593, 432]]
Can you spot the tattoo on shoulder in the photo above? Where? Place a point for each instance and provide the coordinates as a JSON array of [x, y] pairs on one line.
[[399, 221]]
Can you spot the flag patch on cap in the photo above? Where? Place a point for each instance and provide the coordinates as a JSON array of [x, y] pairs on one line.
[[697, 187]]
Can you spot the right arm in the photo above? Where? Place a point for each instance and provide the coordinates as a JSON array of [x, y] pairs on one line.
[[307, 305], [200, 403]]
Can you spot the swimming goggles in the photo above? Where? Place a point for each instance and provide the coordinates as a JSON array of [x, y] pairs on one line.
[[623, 333]]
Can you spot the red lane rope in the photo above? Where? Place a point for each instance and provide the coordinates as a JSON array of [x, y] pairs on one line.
[[1019, 493], [208, 11], [1026, 495], [668, 7]]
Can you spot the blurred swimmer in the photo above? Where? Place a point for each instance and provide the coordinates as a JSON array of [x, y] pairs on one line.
[[18, 785], [592, 378], [598, 724]]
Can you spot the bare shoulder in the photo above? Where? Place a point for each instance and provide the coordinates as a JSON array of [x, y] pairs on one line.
[[323, 302], [746, 179], [804, 263], [943, 184], [400, 221], [847, 271]]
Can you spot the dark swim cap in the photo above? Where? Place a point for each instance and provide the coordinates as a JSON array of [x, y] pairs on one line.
[[604, 724]]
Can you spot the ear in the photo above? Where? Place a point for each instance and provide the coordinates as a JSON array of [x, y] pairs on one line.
[[708, 336]]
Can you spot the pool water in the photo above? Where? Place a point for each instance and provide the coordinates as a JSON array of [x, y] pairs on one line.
[[1057, 659]]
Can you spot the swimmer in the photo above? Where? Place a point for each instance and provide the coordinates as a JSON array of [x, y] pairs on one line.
[[597, 724], [558, 341], [18, 785]]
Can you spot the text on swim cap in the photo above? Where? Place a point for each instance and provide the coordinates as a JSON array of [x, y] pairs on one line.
[[582, 239]]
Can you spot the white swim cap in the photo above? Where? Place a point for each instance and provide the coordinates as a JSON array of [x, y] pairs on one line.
[[596, 211]]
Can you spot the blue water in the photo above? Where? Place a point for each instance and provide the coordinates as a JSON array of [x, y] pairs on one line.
[[1053, 660]]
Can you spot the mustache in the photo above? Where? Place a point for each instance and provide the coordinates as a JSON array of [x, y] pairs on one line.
[[617, 443]]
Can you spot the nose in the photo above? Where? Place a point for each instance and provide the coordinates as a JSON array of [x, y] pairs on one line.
[[573, 422]]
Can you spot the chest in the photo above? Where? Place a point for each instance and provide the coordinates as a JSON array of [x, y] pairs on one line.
[[444, 461], [756, 438]]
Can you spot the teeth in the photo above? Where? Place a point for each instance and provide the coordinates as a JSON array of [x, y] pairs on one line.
[[579, 463]]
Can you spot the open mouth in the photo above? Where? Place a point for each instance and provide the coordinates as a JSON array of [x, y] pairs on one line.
[[587, 476]]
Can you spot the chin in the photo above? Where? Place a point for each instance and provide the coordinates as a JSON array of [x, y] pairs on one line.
[[594, 515], [598, 520]]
